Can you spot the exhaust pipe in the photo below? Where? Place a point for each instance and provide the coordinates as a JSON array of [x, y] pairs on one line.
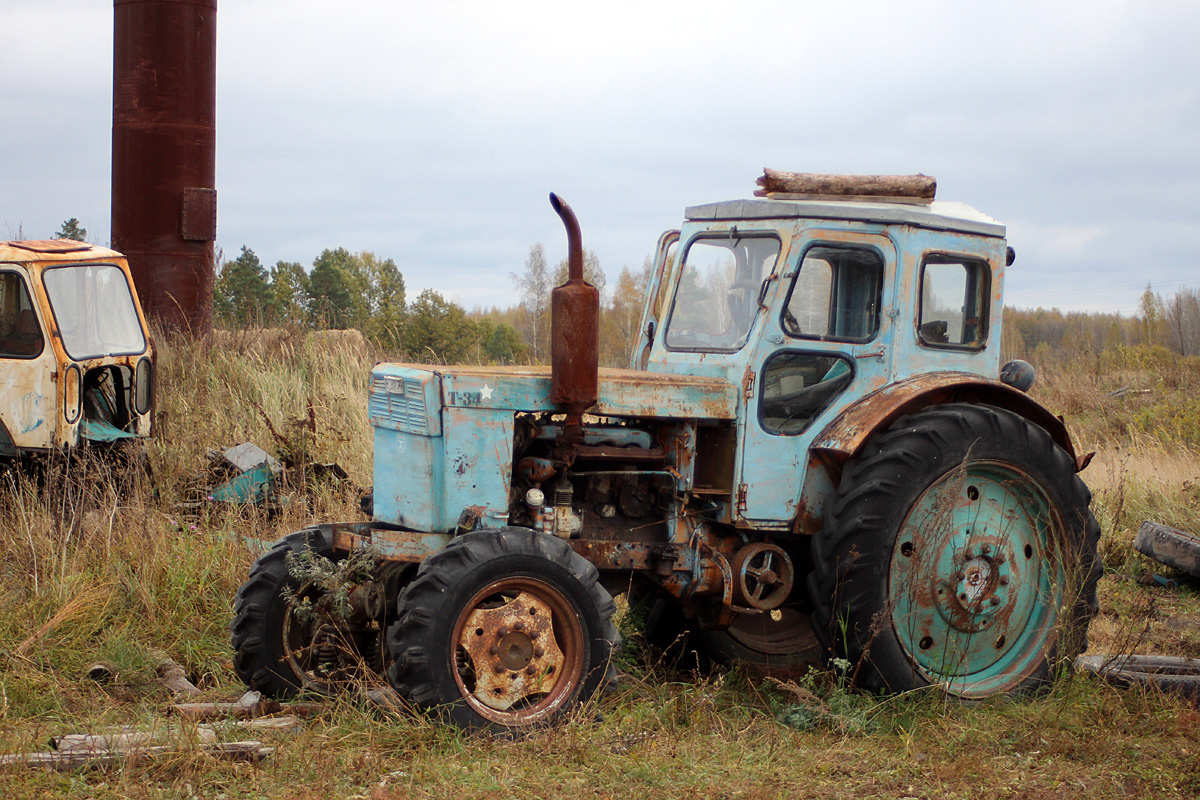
[[574, 331]]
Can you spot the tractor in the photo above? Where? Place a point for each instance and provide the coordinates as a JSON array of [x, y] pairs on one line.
[[815, 448]]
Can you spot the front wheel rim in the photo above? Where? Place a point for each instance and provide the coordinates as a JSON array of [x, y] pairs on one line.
[[518, 651], [976, 584]]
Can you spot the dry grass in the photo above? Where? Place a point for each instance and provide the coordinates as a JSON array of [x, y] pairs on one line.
[[92, 573]]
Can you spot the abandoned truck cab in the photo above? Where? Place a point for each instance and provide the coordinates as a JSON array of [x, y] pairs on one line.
[[811, 454], [77, 360]]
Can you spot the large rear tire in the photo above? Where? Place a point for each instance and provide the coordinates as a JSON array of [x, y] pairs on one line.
[[504, 630], [959, 553]]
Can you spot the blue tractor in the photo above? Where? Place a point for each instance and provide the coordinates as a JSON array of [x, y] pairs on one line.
[[815, 449]]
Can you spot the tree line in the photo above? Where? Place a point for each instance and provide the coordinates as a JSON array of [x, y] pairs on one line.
[[1171, 322], [359, 290]]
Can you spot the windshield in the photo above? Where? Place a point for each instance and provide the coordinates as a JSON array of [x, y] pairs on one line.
[[94, 311], [718, 292]]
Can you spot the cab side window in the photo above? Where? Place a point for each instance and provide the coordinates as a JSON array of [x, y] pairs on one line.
[[954, 302], [836, 295], [20, 333]]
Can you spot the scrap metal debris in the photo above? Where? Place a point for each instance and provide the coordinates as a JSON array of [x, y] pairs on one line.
[[256, 479], [246, 474]]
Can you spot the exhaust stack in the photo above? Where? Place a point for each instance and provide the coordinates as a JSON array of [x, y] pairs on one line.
[[574, 330]]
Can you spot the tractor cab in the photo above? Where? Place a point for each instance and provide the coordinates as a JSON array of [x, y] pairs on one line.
[[75, 354]]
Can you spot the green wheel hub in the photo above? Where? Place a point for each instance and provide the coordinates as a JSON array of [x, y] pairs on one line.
[[975, 583]]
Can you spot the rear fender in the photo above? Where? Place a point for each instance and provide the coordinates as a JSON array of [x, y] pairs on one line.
[[848, 433]]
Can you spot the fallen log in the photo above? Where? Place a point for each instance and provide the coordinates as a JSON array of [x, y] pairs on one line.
[[804, 185], [1169, 546], [172, 676], [80, 759], [129, 740]]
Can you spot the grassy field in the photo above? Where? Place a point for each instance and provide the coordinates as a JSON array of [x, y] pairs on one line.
[[91, 571]]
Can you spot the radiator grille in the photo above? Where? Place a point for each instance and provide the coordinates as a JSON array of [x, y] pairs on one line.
[[398, 403]]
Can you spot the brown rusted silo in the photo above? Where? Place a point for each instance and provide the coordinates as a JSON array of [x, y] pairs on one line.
[[164, 154]]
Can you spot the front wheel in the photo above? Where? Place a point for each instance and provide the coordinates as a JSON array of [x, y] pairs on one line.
[[960, 553], [503, 630], [290, 634]]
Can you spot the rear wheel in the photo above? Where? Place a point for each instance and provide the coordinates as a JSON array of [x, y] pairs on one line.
[[960, 553], [504, 630]]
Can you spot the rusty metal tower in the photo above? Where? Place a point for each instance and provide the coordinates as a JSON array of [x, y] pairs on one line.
[[164, 200]]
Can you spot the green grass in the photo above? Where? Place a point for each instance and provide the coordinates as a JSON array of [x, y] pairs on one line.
[[89, 572]]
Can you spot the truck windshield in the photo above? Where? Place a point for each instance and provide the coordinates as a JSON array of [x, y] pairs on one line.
[[94, 310], [719, 286]]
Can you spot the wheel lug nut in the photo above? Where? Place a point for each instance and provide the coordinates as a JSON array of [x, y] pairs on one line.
[[995, 601], [518, 625], [538, 653], [502, 632], [530, 670], [497, 668], [1004, 581], [987, 548]]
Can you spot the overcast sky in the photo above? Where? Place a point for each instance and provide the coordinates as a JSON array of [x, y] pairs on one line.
[[431, 133]]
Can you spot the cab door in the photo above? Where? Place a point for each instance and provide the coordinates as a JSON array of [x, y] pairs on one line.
[[826, 343], [28, 398]]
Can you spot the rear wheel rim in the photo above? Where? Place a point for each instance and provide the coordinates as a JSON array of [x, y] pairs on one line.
[[975, 583]]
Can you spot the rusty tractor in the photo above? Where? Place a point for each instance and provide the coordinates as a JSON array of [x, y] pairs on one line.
[[78, 360], [815, 439]]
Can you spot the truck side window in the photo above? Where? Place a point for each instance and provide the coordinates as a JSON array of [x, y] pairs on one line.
[[954, 302], [799, 386], [836, 295], [719, 287], [20, 333]]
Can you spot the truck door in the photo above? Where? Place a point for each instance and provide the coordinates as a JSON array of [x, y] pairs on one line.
[[28, 401], [826, 342]]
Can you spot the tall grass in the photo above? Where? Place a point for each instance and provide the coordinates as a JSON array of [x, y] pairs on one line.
[[125, 568]]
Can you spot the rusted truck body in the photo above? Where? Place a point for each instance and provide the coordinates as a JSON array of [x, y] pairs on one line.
[[77, 361], [811, 451]]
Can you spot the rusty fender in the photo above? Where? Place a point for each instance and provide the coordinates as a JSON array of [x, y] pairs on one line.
[[846, 435]]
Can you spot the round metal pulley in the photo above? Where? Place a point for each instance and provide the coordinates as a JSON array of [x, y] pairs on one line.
[[762, 576]]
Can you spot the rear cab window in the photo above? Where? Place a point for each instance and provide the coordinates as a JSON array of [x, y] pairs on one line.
[[954, 302]]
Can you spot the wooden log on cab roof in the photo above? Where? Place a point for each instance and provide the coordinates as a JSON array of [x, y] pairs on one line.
[[774, 181]]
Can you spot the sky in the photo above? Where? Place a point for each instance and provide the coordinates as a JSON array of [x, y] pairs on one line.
[[432, 133]]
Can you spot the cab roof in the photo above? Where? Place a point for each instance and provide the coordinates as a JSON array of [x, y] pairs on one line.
[[938, 215], [28, 250]]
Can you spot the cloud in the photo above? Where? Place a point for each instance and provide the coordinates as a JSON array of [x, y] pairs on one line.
[[432, 133]]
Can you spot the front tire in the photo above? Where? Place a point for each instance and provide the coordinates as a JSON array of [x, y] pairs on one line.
[[504, 630], [280, 649], [959, 553]]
